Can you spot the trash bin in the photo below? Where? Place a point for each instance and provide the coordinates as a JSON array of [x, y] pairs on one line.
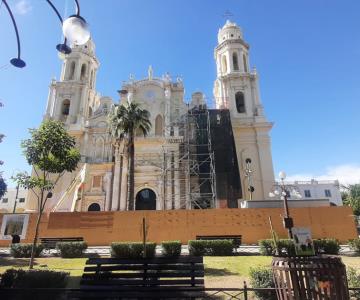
[[307, 278]]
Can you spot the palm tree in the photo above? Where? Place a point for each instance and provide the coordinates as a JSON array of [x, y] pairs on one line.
[[124, 121]]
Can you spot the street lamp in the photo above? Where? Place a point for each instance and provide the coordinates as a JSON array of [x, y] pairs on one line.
[[248, 175], [75, 30], [284, 191]]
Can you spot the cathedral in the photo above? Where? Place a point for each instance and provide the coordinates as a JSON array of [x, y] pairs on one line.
[[194, 157]]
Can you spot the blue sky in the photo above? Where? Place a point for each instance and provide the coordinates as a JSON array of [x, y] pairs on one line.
[[307, 54]]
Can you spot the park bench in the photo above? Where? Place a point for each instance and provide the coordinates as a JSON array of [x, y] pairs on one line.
[[235, 238], [158, 277], [50, 243]]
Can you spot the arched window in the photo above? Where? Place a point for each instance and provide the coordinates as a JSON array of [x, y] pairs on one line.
[[83, 72], [72, 71], [90, 112], [94, 207], [223, 64], [245, 63], [240, 102], [159, 125], [65, 107], [235, 62]]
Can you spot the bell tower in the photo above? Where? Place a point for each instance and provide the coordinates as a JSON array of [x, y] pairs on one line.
[[70, 97], [236, 88]]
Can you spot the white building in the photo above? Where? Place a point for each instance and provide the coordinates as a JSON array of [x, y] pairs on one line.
[[313, 194], [194, 157], [316, 190], [7, 202]]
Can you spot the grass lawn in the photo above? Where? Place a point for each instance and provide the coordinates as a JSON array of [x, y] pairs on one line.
[[228, 271]]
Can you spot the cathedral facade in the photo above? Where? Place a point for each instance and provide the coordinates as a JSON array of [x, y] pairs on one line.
[[193, 157]]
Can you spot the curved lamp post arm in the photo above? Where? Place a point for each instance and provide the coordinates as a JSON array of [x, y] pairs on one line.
[[17, 62], [55, 10], [63, 48], [77, 7]]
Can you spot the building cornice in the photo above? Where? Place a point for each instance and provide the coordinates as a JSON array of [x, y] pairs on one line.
[[232, 41]]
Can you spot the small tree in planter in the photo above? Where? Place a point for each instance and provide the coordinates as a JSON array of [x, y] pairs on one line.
[[51, 151]]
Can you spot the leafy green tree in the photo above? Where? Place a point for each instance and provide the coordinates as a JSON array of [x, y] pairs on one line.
[[124, 121], [351, 197], [51, 152]]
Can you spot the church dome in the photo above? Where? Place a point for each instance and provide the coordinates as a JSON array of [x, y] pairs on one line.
[[230, 31]]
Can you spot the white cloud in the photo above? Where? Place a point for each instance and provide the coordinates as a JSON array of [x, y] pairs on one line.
[[346, 174], [22, 7]]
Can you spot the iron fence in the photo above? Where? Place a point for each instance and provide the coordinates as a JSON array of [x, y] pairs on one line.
[[245, 293]]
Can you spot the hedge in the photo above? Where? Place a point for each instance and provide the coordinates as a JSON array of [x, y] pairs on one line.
[[286, 247], [211, 247], [355, 245], [132, 249], [24, 250], [18, 278], [71, 249], [327, 246], [171, 248]]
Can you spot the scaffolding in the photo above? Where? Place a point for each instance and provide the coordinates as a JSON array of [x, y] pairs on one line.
[[188, 172]]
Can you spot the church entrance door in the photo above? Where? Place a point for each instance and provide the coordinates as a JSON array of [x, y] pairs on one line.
[[94, 207], [145, 200]]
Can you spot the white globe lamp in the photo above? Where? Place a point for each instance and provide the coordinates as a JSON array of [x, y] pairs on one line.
[[282, 175], [76, 30]]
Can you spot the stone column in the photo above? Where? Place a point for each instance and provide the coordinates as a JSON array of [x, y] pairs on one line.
[[107, 182], [177, 180], [116, 182], [124, 183]]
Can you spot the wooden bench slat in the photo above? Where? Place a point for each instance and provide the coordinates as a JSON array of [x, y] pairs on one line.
[[140, 282], [160, 277], [154, 260], [142, 274], [143, 288], [180, 267], [162, 294]]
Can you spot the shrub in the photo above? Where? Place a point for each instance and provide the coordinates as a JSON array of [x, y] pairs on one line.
[[24, 250], [171, 248], [353, 278], [211, 247], [71, 249], [266, 247], [284, 247], [132, 249], [197, 247], [14, 278], [221, 247], [261, 277], [355, 245], [327, 246]]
